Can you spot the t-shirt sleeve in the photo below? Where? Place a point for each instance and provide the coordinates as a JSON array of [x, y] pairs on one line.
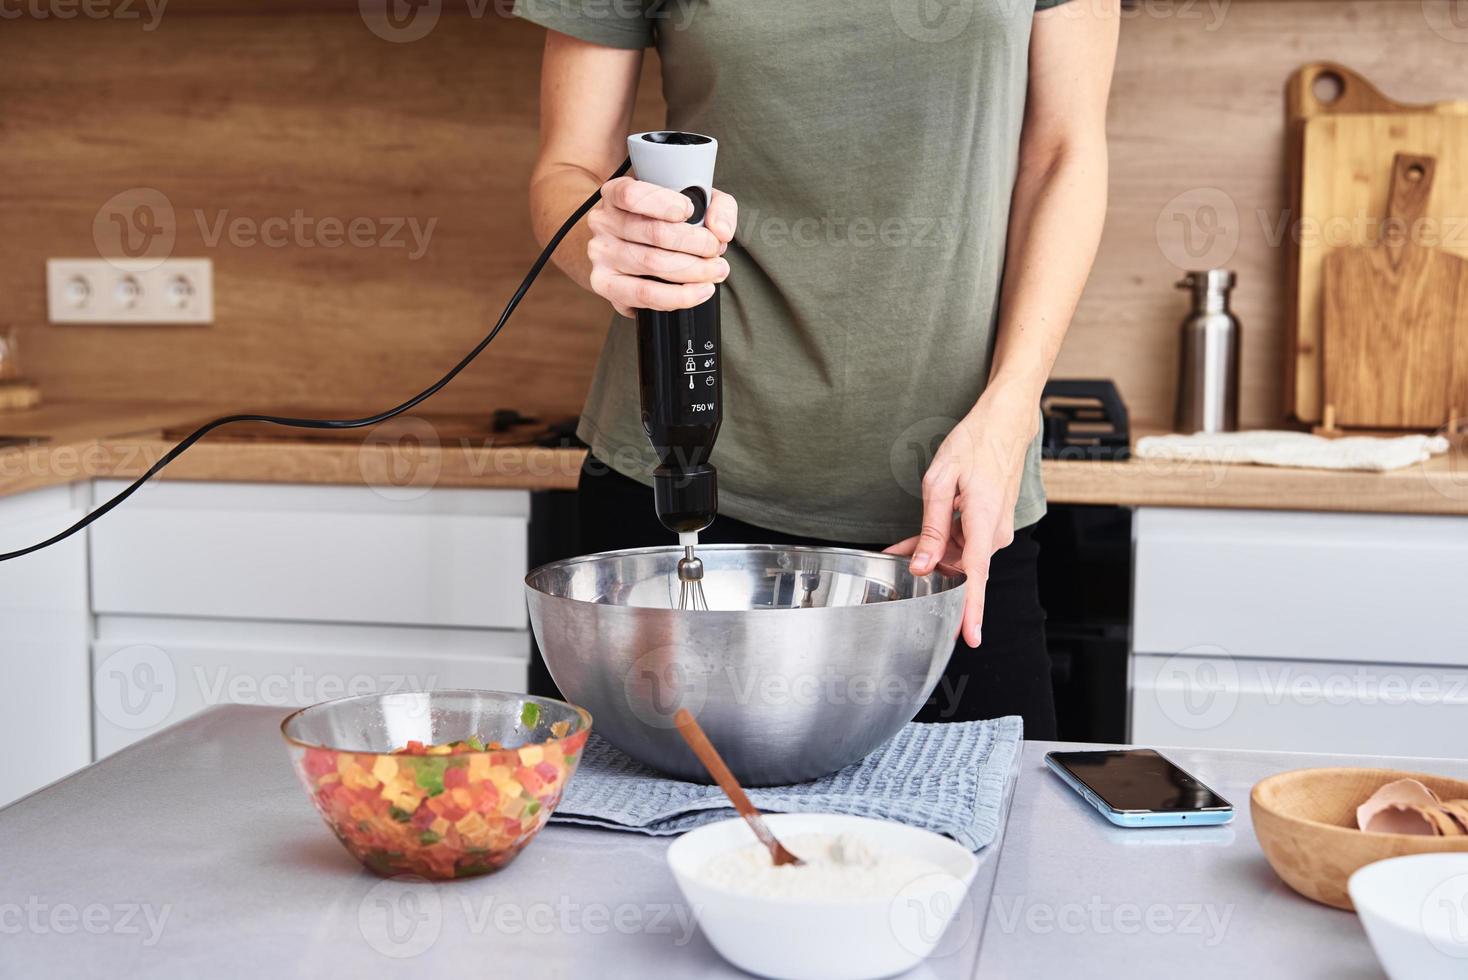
[[1047, 4], [612, 23]]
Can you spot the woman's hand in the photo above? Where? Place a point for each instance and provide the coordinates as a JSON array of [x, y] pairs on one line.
[[976, 473], [640, 230]]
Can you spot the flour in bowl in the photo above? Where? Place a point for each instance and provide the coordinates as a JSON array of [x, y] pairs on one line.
[[838, 867]]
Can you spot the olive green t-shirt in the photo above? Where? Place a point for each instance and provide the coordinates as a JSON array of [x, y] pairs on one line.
[[871, 145]]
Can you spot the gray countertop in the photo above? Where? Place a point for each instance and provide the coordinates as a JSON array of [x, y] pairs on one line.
[[195, 853]]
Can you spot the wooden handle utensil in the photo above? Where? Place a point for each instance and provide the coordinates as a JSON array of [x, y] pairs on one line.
[[693, 734]]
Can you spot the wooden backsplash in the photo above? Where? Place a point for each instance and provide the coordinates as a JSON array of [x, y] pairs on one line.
[[266, 118], [310, 118]]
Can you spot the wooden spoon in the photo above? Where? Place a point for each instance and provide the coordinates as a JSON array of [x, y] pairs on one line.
[[699, 742]]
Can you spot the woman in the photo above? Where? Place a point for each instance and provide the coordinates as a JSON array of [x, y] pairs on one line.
[[912, 196]]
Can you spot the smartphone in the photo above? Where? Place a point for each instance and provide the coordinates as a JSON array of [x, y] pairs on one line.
[[1140, 788]]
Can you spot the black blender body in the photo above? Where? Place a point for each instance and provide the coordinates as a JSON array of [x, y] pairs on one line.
[[682, 397], [678, 365]]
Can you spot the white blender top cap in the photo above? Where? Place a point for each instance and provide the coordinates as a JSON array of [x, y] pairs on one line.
[[679, 161]]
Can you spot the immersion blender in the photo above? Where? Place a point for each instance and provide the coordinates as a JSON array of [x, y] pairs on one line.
[[678, 366]]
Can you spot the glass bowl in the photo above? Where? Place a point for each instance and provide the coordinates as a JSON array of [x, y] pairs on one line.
[[436, 814]]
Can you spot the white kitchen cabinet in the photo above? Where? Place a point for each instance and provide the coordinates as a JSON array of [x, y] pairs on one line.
[[152, 672], [1301, 631], [45, 630], [1385, 588], [1203, 701], [446, 557], [285, 595]]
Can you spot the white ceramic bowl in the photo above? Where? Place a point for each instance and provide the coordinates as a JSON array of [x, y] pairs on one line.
[[850, 940], [1415, 912]]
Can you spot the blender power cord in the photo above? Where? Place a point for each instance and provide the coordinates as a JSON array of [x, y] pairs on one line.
[[361, 423]]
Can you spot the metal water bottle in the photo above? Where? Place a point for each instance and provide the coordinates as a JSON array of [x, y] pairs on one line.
[[1208, 374]]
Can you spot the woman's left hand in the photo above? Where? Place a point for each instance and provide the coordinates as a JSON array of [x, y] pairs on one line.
[[975, 473]]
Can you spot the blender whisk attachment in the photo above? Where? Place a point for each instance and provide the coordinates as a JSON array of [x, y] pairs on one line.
[[690, 579]]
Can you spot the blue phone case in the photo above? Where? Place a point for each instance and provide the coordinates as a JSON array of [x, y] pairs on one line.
[[1209, 817]]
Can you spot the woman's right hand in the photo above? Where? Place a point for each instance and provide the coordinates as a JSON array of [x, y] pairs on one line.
[[640, 230]]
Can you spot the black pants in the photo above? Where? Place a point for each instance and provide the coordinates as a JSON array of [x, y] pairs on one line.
[[1008, 675]]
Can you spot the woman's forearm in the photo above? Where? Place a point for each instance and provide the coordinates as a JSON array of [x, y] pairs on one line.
[[1058, 208], [634, 249], [557, 190], [586, 98]]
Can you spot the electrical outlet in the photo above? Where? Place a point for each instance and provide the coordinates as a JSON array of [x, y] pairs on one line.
[[130, 291]]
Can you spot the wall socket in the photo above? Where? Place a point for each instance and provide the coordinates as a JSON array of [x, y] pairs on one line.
[[130, 291]]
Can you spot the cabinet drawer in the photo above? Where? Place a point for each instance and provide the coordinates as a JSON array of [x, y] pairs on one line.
[[1368, 587], [1300, 706], [323, 554], [149, 673], [45, 627]]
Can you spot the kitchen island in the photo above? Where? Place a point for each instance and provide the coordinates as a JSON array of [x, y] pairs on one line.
[[194, 853]]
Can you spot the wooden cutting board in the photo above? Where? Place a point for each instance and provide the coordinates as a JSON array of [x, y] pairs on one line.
[[1390, 314], [1339, 153]]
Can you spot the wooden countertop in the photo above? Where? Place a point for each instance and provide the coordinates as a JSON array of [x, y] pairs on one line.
[[122, 439]]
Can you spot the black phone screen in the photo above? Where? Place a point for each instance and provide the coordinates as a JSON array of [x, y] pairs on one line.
[[1138, 779]]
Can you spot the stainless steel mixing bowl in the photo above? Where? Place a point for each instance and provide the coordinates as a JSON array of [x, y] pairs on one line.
[[807, 659]]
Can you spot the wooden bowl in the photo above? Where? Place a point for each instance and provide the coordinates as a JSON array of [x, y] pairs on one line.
[[1305, 821]]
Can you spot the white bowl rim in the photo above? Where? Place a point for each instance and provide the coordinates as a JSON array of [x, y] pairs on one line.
[[969, 859], [1366, 876]]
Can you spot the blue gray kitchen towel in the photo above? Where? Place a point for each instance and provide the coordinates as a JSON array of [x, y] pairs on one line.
[[950, 779]]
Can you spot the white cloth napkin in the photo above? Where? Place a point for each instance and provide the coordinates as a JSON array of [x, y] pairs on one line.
[[1375, 454]]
